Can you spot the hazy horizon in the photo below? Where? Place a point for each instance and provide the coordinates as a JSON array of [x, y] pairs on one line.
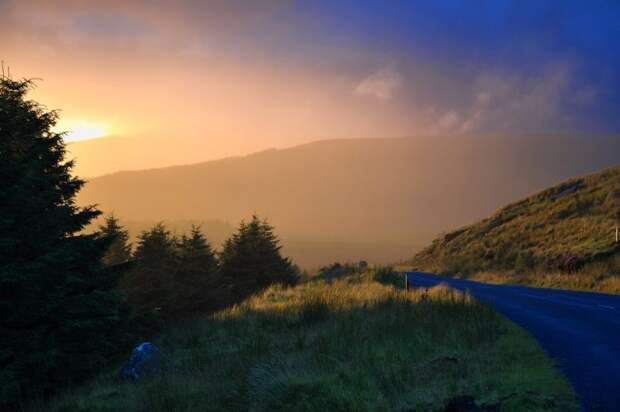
[[389, 191], [92, 156]]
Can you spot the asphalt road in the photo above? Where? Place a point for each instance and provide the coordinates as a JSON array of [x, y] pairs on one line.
[[580, 330]]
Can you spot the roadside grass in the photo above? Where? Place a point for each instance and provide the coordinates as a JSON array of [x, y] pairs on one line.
[[596, 277], [347, 344], [592, 282]]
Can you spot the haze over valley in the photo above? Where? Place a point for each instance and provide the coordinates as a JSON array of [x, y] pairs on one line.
[[353, 194]]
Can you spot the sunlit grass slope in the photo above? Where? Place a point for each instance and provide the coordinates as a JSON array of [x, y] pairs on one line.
[[349, 344], [560, 237]]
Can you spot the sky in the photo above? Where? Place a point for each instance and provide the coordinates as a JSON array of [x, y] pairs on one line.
[[237, 76]]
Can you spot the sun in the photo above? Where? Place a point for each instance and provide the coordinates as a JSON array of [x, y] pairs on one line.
[[82, 130]]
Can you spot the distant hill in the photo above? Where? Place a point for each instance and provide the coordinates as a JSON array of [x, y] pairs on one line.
[[111, 154], [380, 191], [564, 228]]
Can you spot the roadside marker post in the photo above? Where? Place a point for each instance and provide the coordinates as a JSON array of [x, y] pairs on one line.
[[406, 281]]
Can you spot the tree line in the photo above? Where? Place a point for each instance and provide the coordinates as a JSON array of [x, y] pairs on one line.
[[170, 277], [71, 300]]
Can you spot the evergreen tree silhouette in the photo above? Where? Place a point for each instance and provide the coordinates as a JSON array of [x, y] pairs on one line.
[[59, 308], [119, 251], [151, 282], [251, 260], [196, 273]]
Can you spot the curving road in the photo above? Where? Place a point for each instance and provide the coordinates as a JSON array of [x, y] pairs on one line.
[[581, 330]]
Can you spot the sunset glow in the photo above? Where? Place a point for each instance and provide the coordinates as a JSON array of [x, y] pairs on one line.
[[84, 131]]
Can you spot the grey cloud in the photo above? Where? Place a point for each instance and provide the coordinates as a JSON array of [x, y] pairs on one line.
[[508, 101], [381, 85]]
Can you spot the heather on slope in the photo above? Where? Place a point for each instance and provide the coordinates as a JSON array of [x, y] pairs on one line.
[[567, 231]]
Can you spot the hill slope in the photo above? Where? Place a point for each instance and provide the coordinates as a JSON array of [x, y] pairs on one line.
[[567, 228], [391, 191]]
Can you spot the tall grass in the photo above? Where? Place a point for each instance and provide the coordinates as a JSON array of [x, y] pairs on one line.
[[583, 280], [349, 344]]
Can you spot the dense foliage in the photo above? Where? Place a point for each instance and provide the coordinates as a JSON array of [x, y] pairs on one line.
[[59, 309]]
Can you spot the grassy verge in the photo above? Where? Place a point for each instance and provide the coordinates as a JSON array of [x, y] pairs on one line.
[[595, 277], [350, 344], [588, 279], [591, 282]]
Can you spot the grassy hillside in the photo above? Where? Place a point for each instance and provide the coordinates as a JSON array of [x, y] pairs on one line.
[[562, 236], [381, 191], [349, 344]]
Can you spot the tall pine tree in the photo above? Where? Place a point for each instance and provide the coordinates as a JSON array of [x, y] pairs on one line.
[[59, 308]]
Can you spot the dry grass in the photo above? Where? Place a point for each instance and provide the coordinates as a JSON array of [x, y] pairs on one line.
[[349, 344], [573, 281], [552, 238]]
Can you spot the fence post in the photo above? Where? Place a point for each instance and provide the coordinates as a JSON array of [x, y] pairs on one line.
[[406, 281]]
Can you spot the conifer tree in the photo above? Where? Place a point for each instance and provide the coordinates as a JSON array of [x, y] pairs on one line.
[[119, 251], [150, 282], [59, 308], [156, 247], [251, 259], [195, 250], [196, 273]]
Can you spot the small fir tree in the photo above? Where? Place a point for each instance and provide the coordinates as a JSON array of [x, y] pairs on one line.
[[119, 251], [196, 275], [251, 259], [150, 282], [156, 248], [195, 252]]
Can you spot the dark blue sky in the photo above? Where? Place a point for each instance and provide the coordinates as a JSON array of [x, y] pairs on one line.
[[521, 40], [546, 66]]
